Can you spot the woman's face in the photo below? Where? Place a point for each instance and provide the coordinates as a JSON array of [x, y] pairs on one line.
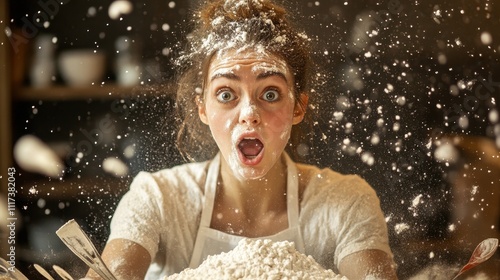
[[250, 108]]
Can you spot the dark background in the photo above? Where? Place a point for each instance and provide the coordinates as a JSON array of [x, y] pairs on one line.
[[397, 62]]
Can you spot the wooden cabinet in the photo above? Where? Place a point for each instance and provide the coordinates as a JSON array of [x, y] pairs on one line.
[[140, 115], [98, 122]]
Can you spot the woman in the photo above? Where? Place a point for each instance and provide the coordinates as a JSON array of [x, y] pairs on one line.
[[243, 93]]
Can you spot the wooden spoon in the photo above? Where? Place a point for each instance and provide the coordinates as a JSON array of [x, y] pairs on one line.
[[482, 253]]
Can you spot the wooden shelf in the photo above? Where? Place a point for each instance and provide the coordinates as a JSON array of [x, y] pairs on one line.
[[65, 93], [55, 189]]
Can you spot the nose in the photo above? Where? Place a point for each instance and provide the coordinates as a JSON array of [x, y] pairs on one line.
[[249, 114]]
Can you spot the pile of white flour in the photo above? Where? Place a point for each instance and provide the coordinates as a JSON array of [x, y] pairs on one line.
[[259, 259]]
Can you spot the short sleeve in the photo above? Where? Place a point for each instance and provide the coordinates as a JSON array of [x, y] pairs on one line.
[[364, 225], [139, 212], [341, 215]]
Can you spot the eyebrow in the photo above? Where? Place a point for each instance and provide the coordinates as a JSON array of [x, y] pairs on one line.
[[260, 76], [271, 73], [227, 75]]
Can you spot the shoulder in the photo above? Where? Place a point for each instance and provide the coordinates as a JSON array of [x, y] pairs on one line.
[[343, 211], [318, 182], [327, 192], [161, 208], [183, 180]]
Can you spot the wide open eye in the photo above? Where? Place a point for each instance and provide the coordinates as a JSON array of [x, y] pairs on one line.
[[225, 95], [271, 95]]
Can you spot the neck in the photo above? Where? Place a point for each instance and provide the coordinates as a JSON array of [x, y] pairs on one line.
[[254, 197]]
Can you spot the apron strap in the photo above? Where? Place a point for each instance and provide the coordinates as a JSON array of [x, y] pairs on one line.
[[210, 188], [292, 192]]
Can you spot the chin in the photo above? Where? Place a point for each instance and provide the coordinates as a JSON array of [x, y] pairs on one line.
[[251, 168]]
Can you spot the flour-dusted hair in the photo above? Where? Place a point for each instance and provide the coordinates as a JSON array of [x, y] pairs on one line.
[[234, 25]]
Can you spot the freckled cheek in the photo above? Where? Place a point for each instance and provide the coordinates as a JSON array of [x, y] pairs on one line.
[[279, 122], [220, 121], [212, 116], [220, 125]]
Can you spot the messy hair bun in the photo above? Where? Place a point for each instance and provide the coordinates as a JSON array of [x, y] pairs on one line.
[[234, 25], [238, 10]]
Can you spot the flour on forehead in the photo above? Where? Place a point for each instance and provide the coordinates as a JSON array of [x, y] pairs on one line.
[[277, 66], [267, 63]]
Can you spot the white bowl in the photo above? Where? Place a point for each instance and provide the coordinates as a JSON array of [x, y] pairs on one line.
[[82, 67]]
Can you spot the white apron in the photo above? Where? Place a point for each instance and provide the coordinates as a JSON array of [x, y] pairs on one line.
[[212, 242]]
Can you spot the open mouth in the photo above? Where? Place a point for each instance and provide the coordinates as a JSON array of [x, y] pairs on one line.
[[250, 147]]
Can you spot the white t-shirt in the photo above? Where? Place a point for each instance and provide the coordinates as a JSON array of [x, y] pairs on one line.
[[339, 215]]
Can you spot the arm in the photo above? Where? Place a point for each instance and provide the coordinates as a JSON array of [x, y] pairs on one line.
[[126, 260], [134, 222], [363, 241], [374, 263]]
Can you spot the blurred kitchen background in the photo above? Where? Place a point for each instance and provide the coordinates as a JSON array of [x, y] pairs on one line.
[[408, 100]]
